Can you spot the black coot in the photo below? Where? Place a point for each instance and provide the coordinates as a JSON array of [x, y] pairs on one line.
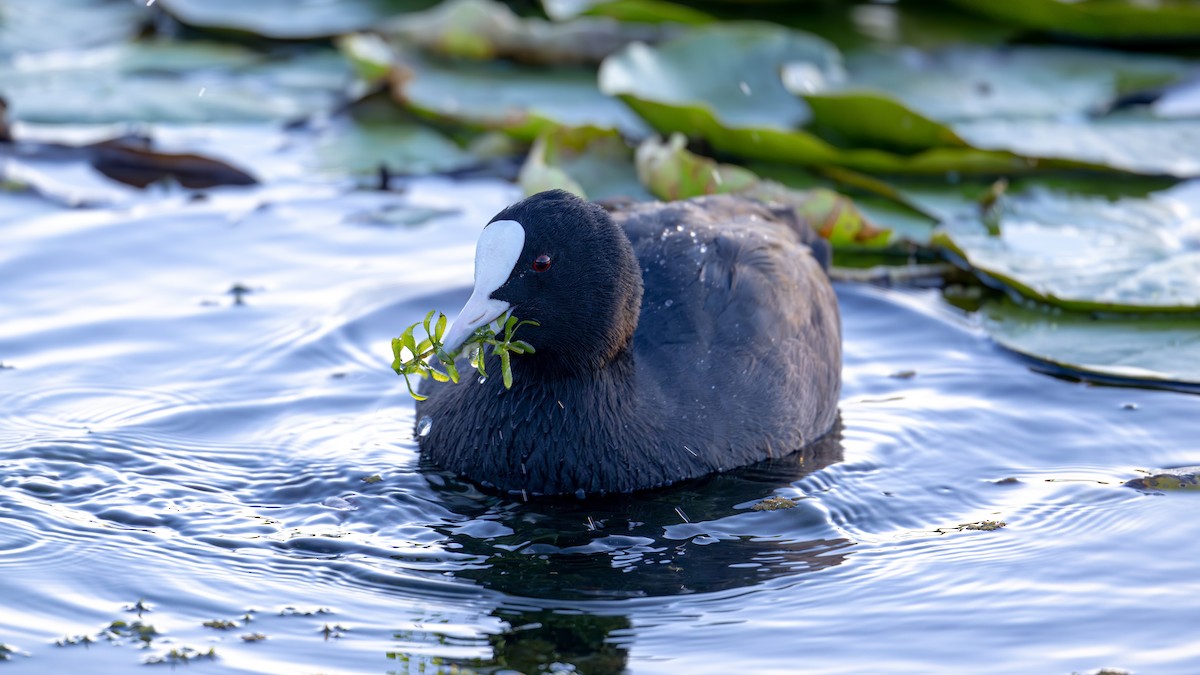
[[676, 340]]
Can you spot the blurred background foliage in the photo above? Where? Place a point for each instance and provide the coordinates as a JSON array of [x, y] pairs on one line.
[[1036, 158]]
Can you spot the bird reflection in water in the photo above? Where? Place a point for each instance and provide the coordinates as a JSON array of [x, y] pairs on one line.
[[569, 568]]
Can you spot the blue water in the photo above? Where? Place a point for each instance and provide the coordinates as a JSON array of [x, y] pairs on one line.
[[201, 454]]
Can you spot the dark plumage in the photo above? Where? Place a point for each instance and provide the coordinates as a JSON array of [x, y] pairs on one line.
[[676, 340]]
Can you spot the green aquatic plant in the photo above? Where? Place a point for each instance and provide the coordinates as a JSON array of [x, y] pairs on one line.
[[421, 354]]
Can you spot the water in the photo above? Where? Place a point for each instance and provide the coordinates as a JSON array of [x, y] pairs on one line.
[[200, 424]]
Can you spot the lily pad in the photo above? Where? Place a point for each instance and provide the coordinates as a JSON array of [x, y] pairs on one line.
[[722, 83], [725, 74], [1132, 142], [363, 148], [486, 29], [521, 101], [1089, 253], [172, 82], [289, 19], [1036, 103], [376, 136], [1131, 349], [1098, 19], [671, 172], [1018, 82], [48, 25], [592, 164]]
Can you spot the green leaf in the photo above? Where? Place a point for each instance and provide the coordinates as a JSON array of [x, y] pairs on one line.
[[397, 355], [1038, 104], [522, 347], [591, 163], [400, 146], [722, 83], [518, 100], [874, 119], [412, 392], [671, 172], [452, 371], [730, 71], [427, 322], [486, 29], [440, 328], [1088, 253], [1115, 20], [288, 19], [506, 368], [641, 11], [407, 339], [1151, 350]]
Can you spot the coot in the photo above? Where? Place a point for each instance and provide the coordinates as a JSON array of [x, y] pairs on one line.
[[676, 340]]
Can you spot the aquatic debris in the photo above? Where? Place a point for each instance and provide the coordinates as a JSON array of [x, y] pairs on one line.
[[141, 631], [373, 479], [141, 606], [72, 640], [774, 504], [981, 526], [254, 637], [181, 655], [6, 651], [292, 611], [903, 374], [220, 624], [334, 631], [1182, 478]]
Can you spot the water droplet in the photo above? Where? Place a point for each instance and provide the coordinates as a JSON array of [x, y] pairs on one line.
[[424, 426], [679, 228], [704, 248], [482, 379], [668, 302]]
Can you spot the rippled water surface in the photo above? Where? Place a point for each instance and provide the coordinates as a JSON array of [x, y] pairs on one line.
[[174, 453]]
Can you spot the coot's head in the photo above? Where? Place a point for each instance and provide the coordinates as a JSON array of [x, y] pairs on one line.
[[561, 261]]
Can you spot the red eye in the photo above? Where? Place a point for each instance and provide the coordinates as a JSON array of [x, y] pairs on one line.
[[541, 263]]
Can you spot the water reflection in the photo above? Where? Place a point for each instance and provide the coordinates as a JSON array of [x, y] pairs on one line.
[[565, 566]]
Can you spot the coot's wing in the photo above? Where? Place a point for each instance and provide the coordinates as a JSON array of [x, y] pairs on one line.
[[739, 340]]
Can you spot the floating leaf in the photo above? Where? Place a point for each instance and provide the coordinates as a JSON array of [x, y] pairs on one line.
[[1089, 253], [486, 29], [521, 101], [47, 25], [377, 135], [1037, 103], [724, 75], [671, 172], [874, 119], [1182, 478], [722, 83], [590, 163], [1142, 349], [289, 19], [173, 82], [643, 11], [1098, 19]]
